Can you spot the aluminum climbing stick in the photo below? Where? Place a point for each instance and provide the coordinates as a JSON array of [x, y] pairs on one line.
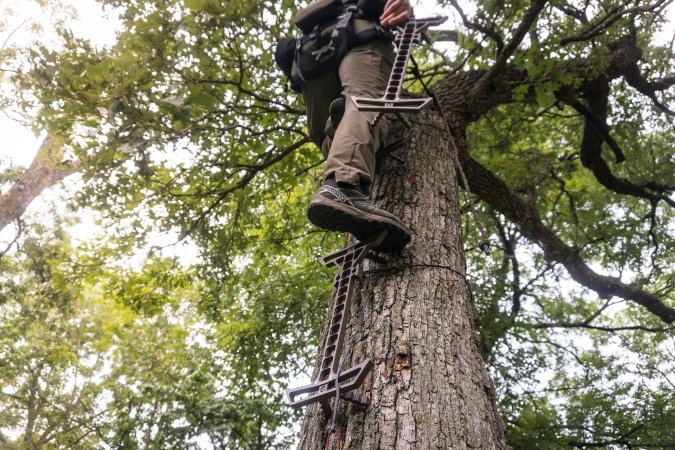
[[331, 379]]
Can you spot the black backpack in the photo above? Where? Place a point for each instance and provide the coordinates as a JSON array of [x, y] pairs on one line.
[[330, 29]]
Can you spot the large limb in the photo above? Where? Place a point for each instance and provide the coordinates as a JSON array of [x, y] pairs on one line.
[[595, 134], [459, 112], [501, 197], [624, 64], [650, 88]]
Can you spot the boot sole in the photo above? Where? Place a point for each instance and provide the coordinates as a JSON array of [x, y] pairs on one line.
[[336, 216]]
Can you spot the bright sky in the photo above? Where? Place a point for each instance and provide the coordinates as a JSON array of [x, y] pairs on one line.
[[20, 143]]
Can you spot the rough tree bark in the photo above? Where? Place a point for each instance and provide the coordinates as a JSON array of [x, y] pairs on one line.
[[46, 170], [413, 315]]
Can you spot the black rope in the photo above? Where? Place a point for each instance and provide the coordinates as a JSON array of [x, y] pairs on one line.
[[416, 266]]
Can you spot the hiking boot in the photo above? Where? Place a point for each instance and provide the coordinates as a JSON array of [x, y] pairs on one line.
[[336, 110], [338, 208]]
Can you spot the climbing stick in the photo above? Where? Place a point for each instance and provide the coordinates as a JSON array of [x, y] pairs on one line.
[[331, 380]]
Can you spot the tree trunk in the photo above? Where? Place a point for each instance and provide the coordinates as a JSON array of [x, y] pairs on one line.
[[413, 316], [46, 170]]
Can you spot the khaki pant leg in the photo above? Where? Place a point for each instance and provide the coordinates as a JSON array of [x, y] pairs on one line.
[[364, 72], [318, 94]]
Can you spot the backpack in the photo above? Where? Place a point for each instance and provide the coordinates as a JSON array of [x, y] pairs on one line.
[[330, 29]]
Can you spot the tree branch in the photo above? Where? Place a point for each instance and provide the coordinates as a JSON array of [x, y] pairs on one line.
[[635, 79], [593, 327], [19, 232], [573, 12], [250, 174], [501, 197], [610, 18], [597, 95], [601, 127], [497, 68], [46, 170], [586, 323], [284, 108], [623, 439], [509, 243], [489, 32]]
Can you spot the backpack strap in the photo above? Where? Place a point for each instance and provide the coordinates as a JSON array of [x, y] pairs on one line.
[[343, 20], [296, 77]]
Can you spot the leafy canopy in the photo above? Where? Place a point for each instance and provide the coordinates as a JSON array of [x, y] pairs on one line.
[[184, 127]]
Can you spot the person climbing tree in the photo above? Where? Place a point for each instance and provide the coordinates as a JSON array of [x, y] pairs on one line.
[[354, 59]]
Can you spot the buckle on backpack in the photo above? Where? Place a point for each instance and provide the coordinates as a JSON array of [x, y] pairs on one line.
[[324, 52]]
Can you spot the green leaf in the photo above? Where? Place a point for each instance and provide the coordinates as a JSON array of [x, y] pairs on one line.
[[544, 96], [196, 5]]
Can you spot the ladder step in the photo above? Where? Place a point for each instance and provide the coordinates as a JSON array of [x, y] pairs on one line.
[[411, 105]]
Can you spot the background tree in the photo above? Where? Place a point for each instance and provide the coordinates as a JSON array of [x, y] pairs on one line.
[[24, 22], [95, 357], [184, 126]]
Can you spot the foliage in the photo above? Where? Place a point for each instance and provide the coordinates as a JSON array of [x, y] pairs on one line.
[[91, 361]]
